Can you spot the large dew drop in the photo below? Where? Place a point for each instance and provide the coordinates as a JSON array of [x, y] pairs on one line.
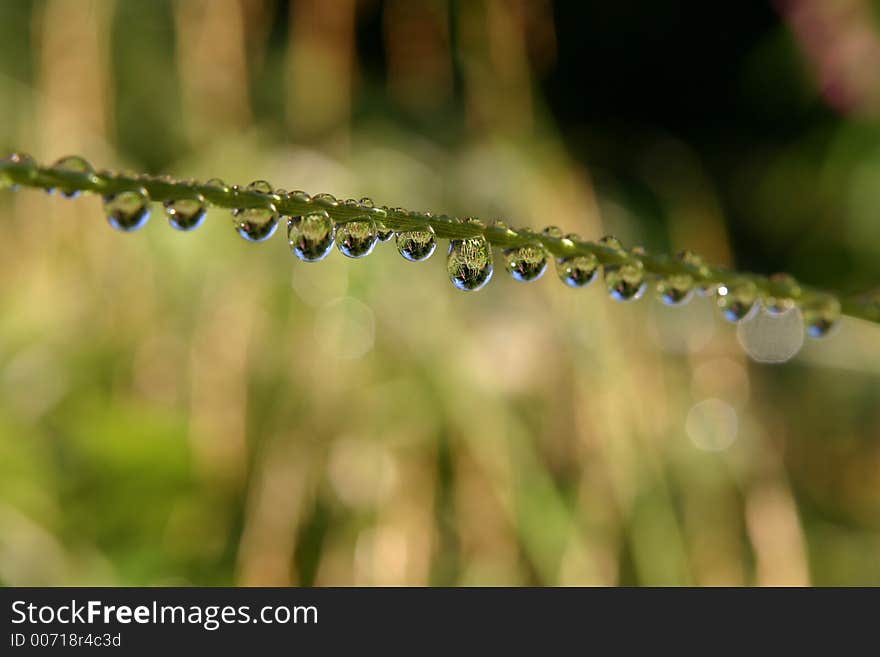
[[676, 289], [821, 315], [311, 235], [469, 263], [626, 282], [738, 300], [128, 211], [186, 214], [357, 238], [72, 164], [526, 263], [256, 224], [417, 245]]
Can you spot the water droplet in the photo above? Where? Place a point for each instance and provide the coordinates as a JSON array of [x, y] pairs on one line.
[[526, 263], [702, 271], [73, 164], [261, 186], [676, 290], [626, 282], [821, 315], [219, 184], [611, 242], [416, 245], [186, 213], [17, 158], [469, 262], [357, 238], [327, 200], [128, 211], [311, 235], [21, 158], [786, 290], [366, 202], [738, 300], [300, 196], [577, 271], [256, 224], [383, 233]]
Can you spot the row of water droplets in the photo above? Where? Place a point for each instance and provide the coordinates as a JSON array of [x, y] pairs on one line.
[[311, 237]]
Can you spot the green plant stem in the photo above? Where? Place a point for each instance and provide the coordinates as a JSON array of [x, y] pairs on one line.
[[28, 174]]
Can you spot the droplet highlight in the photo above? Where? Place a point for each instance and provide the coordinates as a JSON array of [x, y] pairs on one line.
[[128, 211], [469, 263], [311, 235]]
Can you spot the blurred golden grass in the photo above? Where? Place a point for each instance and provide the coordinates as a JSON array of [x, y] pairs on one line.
[[189, 408]]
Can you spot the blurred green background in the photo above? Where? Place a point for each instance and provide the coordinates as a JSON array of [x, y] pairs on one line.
[[193, 409]]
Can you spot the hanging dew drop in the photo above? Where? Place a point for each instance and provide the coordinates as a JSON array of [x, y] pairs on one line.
[[821, 315], [128, 211], [72, 164], [311, 235], [469, 262], [383, 233], [738, 300], [416, 245], [256, 224], [784, 289], [357, 238], [186, 214], [526, 263], [676, 290], [626, 282], [577, 271]]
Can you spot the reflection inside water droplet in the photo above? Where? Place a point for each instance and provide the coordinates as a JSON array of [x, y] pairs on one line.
[[127, 211], [311, 235], [185, 214], [526, 263], [357, 238], [73, 164], [626, 282], [418, 245], [469, 262]]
